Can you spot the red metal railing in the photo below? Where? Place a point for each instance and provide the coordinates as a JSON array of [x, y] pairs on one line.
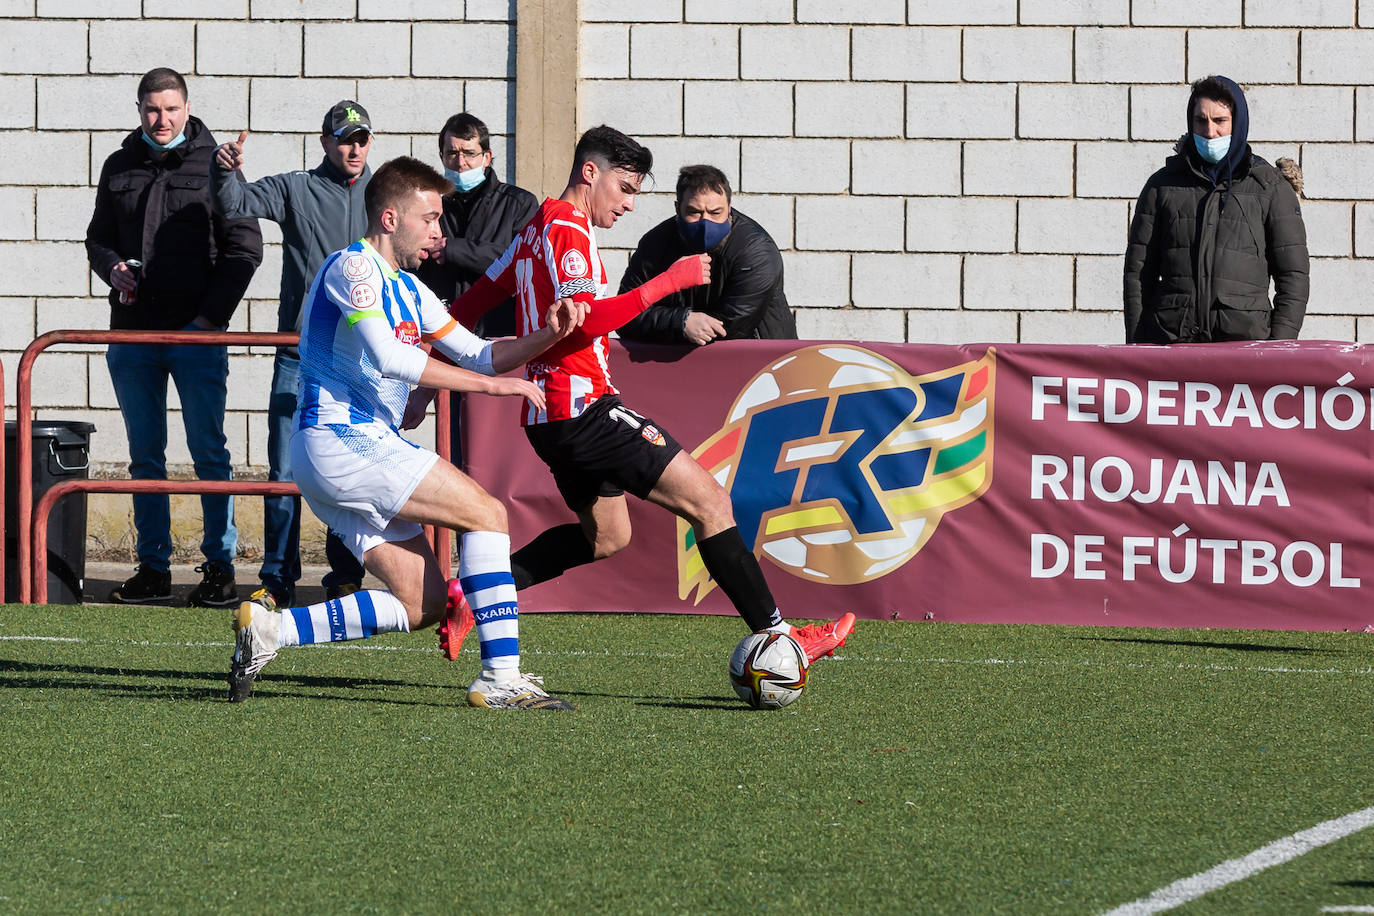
[[32, 535]]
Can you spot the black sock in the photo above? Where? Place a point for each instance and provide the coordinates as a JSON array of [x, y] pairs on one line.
[[551, 554], [737, 572]]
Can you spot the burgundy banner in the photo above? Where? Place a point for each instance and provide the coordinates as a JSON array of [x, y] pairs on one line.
[[1194, 486]]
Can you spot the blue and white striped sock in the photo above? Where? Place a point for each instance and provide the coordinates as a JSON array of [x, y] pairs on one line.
[[484, 572], [355, 616]]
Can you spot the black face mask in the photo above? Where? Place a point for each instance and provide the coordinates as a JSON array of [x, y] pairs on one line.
[[702, 235]]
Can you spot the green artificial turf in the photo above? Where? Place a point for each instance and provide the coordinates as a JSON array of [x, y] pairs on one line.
[[930, 768]]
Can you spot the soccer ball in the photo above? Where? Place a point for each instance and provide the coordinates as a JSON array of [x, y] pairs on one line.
[[768, 670]]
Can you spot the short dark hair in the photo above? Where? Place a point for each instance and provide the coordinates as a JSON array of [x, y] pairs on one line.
[[695, 178], [1211, 87], [160, 79], [614, 149], [396, 180], [466, 127]]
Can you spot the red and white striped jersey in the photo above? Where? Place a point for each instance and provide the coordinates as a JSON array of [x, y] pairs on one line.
[[555, 256]]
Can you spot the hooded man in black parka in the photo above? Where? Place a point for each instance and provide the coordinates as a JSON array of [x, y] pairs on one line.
[[1211, 228]]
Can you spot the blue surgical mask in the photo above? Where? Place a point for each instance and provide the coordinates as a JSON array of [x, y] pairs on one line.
[[468, 179], [180, 139], [702, 235], [1213, 150]]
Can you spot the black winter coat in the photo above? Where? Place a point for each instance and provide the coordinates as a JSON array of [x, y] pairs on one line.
[[745, 292], [155, 206], [1200, 256], [479, 227]]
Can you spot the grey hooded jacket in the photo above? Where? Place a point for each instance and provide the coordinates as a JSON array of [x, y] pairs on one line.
[[320, 212]]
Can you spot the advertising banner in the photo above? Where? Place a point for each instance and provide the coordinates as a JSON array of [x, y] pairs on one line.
[[1194, 486]]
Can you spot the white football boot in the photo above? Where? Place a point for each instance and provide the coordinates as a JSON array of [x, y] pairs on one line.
[[256, 625], [526, 691]]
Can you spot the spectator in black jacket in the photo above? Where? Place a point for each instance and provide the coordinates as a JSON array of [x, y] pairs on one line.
[[480, 219], [152, 205], [745, 296], [1211, 229]]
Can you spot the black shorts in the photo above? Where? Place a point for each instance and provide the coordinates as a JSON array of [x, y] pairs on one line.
[[607, 451]]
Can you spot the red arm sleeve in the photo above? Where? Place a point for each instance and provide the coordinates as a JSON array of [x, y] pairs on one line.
[[606, 315], [481, 297]]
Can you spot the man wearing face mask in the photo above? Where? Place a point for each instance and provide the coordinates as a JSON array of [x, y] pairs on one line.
[[1211, 228], [320, 211], [480, 219], [745, 297], [173, 264]]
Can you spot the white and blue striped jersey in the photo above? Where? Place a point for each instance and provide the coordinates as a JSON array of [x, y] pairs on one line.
[[361, 330]]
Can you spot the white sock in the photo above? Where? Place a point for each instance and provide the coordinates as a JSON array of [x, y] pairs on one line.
[[484, 571], [356, 616]]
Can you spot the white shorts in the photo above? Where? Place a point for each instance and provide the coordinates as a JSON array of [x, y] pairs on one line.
[[357, 477]]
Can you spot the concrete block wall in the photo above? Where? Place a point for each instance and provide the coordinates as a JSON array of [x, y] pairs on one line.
[[949, 172]]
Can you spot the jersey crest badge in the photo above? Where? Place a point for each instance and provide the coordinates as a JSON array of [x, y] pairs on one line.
[[652, 435], [362, 296], [573, 264], [357, 266], [408, 333]]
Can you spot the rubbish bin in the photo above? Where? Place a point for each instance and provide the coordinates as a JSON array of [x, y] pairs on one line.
[[61, 451]]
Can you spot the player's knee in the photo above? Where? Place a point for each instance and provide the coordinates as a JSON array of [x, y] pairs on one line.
[[715, 512], [610, 543], [489, 515]]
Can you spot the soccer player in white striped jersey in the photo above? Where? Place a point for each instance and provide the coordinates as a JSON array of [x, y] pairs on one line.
[[364, 319]]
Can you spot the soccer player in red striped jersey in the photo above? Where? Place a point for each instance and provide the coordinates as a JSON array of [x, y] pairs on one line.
[[596, 447]]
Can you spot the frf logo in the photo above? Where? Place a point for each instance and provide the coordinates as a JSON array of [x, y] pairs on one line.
[[841, 465]]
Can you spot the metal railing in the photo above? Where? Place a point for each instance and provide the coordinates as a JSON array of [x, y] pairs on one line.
[[32, 522]]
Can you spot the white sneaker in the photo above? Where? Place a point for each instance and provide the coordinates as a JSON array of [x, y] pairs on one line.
[[526, 691], [255, 645]]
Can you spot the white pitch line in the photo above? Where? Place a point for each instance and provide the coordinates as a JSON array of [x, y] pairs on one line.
[[846, 657], [1348, 909], [44, 638], [1233, 870]]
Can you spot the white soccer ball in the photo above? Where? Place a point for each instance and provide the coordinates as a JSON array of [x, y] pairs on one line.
[[768, 670]]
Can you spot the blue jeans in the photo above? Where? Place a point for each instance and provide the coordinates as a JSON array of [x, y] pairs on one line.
[[139, 373], [281, 515]]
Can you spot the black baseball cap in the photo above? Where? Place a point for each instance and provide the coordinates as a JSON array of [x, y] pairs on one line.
[[346, 118]]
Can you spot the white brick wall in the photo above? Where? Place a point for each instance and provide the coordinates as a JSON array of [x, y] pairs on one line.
[[1027, 130], [933, 171]]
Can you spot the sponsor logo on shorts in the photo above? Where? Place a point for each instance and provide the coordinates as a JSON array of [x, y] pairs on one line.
[[573, 264], [652, 435], [357, 266], [362, 296], [408, 333]]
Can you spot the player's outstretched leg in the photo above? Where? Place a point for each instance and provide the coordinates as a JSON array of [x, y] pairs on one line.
[[261, 630], [484, 572], [690, 492], [739, 575]]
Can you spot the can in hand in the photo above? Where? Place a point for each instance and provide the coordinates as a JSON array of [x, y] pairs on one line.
[[135, 267]]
